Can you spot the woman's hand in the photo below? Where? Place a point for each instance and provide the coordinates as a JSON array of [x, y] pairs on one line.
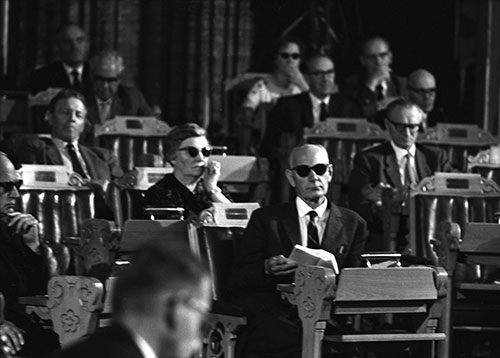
[[11, 336], [211, 176], [296, 77]]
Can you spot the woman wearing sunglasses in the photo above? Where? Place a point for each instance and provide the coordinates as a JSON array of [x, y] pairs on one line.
[[285, 80], [193, 184]]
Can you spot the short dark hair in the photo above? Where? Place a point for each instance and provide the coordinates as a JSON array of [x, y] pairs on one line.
[[175, 137], [65, 94], [62, 27], [313, 57], [158, 266], [288, 40]]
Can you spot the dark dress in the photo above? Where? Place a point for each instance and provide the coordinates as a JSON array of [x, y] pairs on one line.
[[171, 193]]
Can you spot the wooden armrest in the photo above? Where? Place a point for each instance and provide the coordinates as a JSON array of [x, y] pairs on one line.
[[37, 301]]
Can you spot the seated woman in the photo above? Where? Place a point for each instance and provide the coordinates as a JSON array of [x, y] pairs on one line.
[[193, 184]]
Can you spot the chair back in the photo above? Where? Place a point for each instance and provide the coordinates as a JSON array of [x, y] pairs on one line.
[[343, 138], [458, 140], [60, 208], [446, 197], [486, 163], [129, 137]]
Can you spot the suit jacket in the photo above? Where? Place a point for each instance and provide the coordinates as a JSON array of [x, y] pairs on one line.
[[113, 341], [355, 89], [127, 101], [378, 164], [101, 163], [273, 231], [292, 114], [54, 75]]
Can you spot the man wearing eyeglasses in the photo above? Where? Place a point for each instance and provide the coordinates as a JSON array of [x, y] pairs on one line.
[[261, 259], [376, 84], [160, 304], [21, 270], [422, 90], [399, 164], [109, 96]]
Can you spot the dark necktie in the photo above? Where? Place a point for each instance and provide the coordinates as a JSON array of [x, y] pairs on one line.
[[76, 78], [312, 232], [380, 92], [77, 166], [323, 112]]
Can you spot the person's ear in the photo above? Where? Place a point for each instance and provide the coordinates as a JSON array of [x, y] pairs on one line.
[[289, 176], [169, 316], [362, 60], [390, 57], [48, 118], [330, 173]]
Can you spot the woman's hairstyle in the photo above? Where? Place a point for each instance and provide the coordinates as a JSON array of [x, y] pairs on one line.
[[288, 40], [178, 134]]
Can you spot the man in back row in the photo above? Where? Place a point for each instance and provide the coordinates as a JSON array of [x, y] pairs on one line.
[[399, 164]]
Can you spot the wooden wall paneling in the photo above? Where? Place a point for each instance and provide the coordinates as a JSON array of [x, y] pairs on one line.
[[127, 33]]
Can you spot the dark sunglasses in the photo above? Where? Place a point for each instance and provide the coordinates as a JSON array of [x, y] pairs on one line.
[[373, 56], [423, 91], [9, 186], [193, 151], [304, 170], [402, 127], [286, 56]]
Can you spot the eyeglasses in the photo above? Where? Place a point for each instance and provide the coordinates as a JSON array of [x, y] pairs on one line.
[[286, 55], [304, 170], [193, 151], [374, 56], [9, 186], [324, 73], [402, 127], [423, 91]]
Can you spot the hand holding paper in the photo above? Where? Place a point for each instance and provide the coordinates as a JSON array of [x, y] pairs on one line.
[[302, 255]]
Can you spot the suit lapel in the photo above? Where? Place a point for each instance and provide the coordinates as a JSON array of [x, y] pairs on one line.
[[291, 223], [391, 167], [333, 227], [423, 169], [64, 75], [308, 110], [52, 155], [90, 159]]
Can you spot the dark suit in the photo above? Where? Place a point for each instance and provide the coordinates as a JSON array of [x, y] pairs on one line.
[[114, 341], [273, 325], [292, 114], [355, 89], [378, 164], [54, 75], [101, 163], [127, 101]]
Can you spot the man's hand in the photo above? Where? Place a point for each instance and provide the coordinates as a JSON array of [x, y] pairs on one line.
[[11, 336], [377, 77], [26, 226], [279, 265]]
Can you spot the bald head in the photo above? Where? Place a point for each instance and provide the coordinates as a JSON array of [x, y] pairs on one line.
[[304, 152], [422, 89]]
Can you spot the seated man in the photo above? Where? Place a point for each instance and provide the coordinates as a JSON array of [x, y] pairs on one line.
[[160, 302], [422, 90], [66, 115], [376, 83], [399, 164], [22, 270], [261, 262]]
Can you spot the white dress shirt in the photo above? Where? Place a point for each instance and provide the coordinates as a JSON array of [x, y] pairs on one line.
[[316, 105], [401, 155], [61, 147], [303, 215], [69, 72]]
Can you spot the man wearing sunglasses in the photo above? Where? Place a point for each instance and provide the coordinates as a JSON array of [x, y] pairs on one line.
[[422, 90], [399, 164], [261, 262], [376, 83], [108, 96], [21, 270]]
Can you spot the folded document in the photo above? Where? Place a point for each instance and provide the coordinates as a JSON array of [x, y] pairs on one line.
[[318, 257]]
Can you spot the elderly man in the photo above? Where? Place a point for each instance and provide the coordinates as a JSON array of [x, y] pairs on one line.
[[261, 261], [67, 115], [108, 97], [72, 70], [376, 83], [422, 90], [160, 302], [22, 270], [399, 164]]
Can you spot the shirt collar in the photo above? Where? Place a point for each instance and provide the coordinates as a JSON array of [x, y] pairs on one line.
[[61, 145], [70, 69], [400, 152], [144, 346], [303, 209], [317, 102]]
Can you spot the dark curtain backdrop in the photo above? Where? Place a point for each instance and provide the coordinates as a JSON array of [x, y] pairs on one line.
[[178, 52]]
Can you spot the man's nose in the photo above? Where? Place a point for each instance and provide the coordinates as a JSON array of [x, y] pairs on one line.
[[14, 193]]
